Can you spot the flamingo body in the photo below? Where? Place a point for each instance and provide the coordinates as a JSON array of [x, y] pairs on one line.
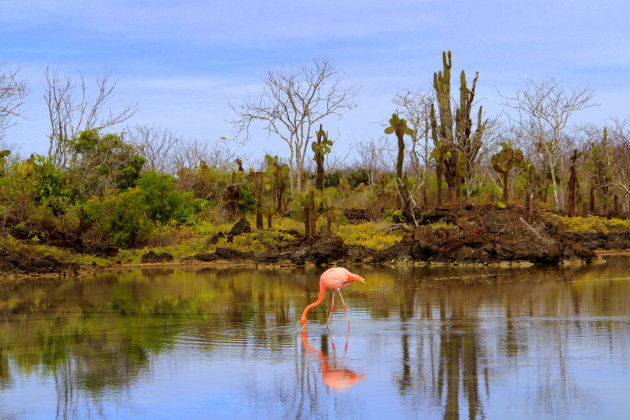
[[334, 279]]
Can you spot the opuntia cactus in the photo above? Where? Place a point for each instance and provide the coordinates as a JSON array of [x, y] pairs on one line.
[[503, 162], [399, 127], [306, 208], [321, 147]]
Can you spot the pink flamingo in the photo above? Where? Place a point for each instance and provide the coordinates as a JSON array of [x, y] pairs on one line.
[[334, 374], [334, 279]]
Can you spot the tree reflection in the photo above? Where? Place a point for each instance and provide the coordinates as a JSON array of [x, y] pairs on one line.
[[451, 335]]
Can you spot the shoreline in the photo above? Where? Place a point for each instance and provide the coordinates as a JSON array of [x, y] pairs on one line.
[[251, 264]]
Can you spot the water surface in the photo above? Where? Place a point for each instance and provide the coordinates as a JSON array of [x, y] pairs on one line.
[[430, 343]]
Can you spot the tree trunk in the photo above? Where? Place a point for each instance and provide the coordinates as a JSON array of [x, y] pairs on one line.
[[319, 177], [307, 222], [400, 184], [505, 179], [591, 197], [259, 215], [572, 185], [438, 182]]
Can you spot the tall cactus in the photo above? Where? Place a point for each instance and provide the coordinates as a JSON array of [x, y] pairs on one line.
[[321, 148], [441, 154], [399, 127], [503, 162], [462, 143]]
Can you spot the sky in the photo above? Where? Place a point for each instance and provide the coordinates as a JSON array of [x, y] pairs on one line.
[[182, 61]]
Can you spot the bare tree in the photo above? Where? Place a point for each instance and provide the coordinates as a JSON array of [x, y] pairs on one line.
[[71, 112], [292, 104], [415, 107], [157, 146], [375, 155], [543, 111], [190, 153], [12, 93], [620, 137]]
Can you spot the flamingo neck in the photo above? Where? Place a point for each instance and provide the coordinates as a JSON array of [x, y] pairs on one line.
[[320, 298]]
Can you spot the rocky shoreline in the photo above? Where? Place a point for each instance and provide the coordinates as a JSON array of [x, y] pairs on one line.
[[479, 236]]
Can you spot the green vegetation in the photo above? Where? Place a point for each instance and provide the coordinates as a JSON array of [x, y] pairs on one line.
[[110, 188], [591, 224]]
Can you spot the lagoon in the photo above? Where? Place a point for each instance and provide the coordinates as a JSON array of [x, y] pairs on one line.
[[426, 342]]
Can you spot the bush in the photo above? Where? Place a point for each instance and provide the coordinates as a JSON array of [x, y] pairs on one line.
[[124, 218], [164, 202], [127, 219]]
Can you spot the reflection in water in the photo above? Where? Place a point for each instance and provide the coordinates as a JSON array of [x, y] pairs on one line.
[[334, 372], [439, 342]]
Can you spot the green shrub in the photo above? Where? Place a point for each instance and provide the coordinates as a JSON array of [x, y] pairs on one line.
[[127, 220], [165, 203]]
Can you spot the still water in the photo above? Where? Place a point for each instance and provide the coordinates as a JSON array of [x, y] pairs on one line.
[[430, 343]]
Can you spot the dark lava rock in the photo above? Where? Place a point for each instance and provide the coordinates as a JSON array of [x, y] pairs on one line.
[[356, 216], [49, 235], [596, 240], [233, 254], [485, 234], [224, 254], [14, 261], [215, 238], [156, 257], [208, 257], [322, 249], [242, 226]]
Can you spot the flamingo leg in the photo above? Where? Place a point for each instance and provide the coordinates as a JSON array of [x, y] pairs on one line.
[[332, 308], [345, 308]]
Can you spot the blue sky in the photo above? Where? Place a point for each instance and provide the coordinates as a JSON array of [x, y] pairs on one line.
[[181, 61]]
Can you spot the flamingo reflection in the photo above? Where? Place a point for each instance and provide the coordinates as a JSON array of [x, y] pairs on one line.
[[335, 375]]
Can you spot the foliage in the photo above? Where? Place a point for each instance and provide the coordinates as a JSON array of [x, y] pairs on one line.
[[503, 162], [590, 224], [371, 235], [124, 218], [164, 202]]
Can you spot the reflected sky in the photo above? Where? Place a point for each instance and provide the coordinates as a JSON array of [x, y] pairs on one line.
[[435, 343]]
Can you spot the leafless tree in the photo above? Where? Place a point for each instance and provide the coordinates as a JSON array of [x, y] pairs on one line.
[[477, 164], [415, 107], [220, 155], [157, 145], [543, 112], [620, 138], [292, 104], [12, 94], [71, 110], [375, 155]]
